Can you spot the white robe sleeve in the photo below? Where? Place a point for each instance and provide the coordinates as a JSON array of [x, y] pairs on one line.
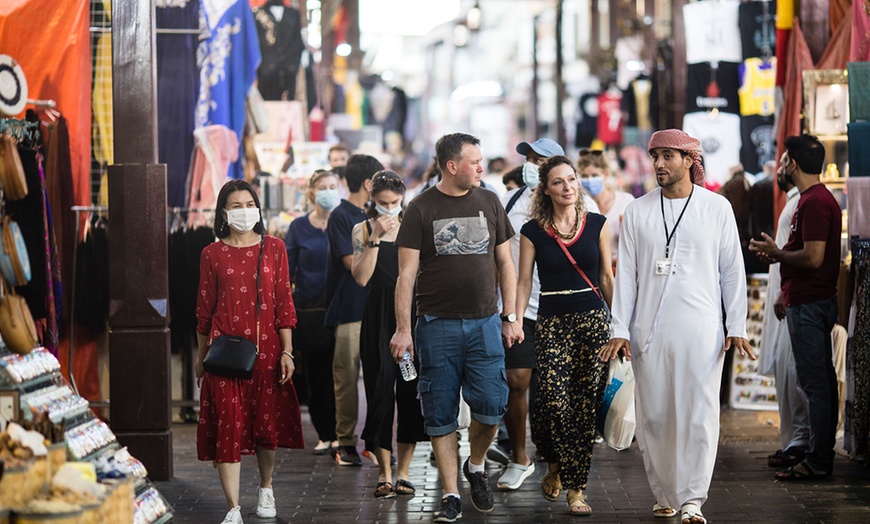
[[732, 276], [625, 289]]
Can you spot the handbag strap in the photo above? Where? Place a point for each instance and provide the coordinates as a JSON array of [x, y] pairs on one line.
[[259, 270], [553, 234]]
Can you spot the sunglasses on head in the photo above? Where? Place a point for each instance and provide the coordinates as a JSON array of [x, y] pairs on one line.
[[593, 152]]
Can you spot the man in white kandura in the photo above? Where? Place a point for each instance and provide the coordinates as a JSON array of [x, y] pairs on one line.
[[679, 262]]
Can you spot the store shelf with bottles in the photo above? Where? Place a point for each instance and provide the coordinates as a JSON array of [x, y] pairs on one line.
[[750, 389], [35, 382]]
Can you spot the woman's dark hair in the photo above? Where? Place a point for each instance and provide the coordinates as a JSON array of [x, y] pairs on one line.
[[385, 180], [541, 209], [221, 228]]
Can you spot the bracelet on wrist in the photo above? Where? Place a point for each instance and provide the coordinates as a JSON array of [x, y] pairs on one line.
[[373, 244], [288, 354]]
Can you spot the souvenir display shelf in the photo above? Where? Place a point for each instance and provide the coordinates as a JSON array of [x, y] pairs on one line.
[[40, 387], [749, 389]]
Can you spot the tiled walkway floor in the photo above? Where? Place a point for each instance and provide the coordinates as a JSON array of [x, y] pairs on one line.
[[309, 488]]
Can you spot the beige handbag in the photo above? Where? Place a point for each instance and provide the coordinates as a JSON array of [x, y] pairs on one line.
[[11, 170], [16, 323]]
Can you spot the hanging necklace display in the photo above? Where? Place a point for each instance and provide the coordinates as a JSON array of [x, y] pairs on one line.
[[13, 86]]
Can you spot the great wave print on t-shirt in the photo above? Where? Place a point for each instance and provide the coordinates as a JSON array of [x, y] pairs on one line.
[[461, 236]]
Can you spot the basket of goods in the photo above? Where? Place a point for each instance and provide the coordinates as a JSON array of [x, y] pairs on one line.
[[40, 510], [23, 454]]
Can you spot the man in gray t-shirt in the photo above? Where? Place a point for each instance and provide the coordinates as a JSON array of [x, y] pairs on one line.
[[453, 244]]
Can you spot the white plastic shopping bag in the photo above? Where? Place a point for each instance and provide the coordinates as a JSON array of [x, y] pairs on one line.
[[616, 420], [464, 419]]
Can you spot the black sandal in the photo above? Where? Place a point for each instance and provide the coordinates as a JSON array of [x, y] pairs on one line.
[[406, 487], [785, 458], [801, 471], [384, 491]]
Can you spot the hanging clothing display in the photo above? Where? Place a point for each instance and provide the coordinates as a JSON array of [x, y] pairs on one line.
[[610, 118], [177, 89], [227, 61], [216, 148], [757, 84], [279, 30], [92, 276], [59, 189], [712, 31], [757, 30], [757, 142], [587, 123], [856, 439], [720, 143], [387, 108], [860, 31], [713, 86], [103, 138]]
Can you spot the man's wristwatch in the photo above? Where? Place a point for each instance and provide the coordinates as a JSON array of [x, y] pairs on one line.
[[511, 318]]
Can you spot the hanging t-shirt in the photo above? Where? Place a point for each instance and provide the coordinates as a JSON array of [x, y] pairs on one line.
[[587, 125], [720, 142], [757, 85], [280, 33], [610, 121], [757, 29], [713, 86], [712, 32], [758, 147]]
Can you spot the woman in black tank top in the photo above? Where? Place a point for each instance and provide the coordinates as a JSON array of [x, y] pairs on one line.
[[572, 251]]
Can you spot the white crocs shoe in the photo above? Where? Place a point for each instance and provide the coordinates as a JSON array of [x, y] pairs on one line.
[[234, 516], [265, 503]]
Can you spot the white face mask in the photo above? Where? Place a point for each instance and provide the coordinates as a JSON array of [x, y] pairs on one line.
[[530, 174], [243, 219], [394, 212]]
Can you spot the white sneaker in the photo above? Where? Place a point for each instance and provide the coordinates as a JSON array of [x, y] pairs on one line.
[[234, 516], [265, 503]]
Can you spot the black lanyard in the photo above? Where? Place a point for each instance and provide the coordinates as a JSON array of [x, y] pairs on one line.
[[669, 237]]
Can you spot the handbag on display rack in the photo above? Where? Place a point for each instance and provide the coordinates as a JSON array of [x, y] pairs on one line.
[[14, 261], [234, 356], [16, 323], [11, 170]]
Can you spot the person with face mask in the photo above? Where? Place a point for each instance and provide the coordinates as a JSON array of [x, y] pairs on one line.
[[520, 359], [594, 170], [376, 267], [307, 253], [258, 415], [777, 358]]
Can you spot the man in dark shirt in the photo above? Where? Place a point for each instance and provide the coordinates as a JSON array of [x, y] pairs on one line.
[[452, 244], [346, 301], [810, 265]]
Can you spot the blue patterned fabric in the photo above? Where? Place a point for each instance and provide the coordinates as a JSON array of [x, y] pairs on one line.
[[227, 62]]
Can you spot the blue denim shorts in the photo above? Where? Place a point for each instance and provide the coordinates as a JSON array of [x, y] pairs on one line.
[[456, 352]]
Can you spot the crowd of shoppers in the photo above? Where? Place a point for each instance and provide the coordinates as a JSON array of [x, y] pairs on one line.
[[480, 295]]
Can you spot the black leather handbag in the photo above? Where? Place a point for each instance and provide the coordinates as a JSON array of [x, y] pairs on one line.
[[232, 356]]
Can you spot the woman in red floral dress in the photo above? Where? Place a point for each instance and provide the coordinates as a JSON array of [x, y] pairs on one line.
[[256, 416]]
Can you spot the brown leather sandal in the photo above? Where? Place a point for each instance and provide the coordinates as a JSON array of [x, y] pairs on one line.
[[551, 485], [577, 505]]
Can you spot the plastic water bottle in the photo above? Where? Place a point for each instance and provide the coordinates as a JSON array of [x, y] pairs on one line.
[[409, 373]]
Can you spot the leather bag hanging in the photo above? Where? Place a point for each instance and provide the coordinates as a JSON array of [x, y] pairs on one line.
[[14, 261], [16, 323], [233, 356], [11, 170]]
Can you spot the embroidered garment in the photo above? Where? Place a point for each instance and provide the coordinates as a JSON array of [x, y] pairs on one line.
[[227, 61]]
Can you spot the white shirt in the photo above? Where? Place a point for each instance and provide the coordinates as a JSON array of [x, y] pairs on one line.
[[621, 200], [720, 142], [712, 32]]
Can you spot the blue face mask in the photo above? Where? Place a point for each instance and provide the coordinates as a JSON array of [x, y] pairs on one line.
[[328, 199], [594, 185], [391, 212], [530, 175]]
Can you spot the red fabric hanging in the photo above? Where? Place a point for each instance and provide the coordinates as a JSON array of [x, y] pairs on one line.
[[51, 41]]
